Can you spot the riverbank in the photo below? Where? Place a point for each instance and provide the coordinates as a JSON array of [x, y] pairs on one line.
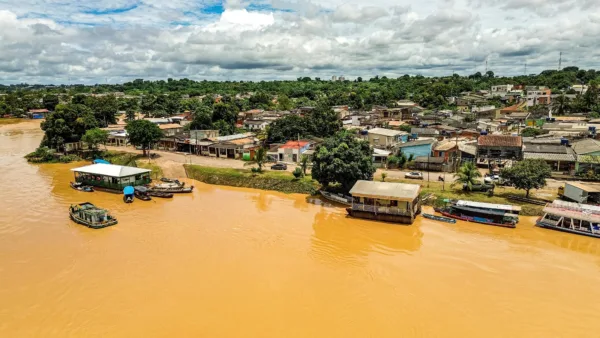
[[6, 121], [244, 178]]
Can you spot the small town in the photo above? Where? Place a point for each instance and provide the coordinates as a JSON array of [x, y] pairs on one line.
[[299, 168]]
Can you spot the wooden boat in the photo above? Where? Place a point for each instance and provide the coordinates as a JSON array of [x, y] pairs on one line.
[[485, 213], [128, 194], [580, 219], [160, 194], [81, 187], [142, 193], [336, 198], [440, 218], [172, 180], [172, 188], [91, 216]]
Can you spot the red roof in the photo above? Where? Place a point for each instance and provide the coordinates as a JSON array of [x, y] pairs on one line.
[[499, 141], [294, 145]]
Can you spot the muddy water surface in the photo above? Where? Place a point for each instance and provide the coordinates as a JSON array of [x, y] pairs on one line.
[[227, 262]]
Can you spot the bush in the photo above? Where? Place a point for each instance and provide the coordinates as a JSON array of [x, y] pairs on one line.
[[69, 158], [41, 155], [297, 172]]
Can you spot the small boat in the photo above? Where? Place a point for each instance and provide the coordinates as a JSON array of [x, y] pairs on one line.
[[580, 219], [142, 193], [337, 198], [160, 194], [128, 194], [80, 187], [488, 216], [91, 216], [172, 180], [172, 188], [440, 218]]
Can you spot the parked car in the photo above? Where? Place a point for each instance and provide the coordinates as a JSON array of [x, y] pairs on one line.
[[495, 179], [279, 166], [414, 175]]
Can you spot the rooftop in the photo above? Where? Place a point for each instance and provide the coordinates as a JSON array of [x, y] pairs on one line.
[[111, 170], [585, 186], [294, 144], [415, 143], [386, 190], [385, 132], [586, 146], [481, 205], [499, 141], [550, 156], [169, 126]]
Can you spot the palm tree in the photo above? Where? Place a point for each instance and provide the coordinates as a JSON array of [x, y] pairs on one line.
[[263, 136], [560, 105], [383, 176], [304, 163], [467, 174], [260, 156]]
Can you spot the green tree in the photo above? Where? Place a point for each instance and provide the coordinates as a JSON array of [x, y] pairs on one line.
[[560, 105], [143, 133], [289, 127], [260, 157], [130, 115], [528, 174], [531, 132], [202, 118], [343, 159], [68, 123], [284, 102], [383, 177], [50, 101], [467, 175], [95, 136], [104, 108], [323, 121], [304, 163]]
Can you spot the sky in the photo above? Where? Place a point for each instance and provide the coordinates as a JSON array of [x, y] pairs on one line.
[[115, 41]]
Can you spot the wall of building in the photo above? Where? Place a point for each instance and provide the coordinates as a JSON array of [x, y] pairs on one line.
[[420, 150]]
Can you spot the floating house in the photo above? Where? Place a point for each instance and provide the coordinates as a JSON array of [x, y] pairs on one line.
[[581, 219], [382, 201], [111, 177]]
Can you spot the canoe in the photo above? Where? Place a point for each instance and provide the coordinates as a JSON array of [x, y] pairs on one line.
[[160, 194], [440, 218], [172, 188], [172, 180], [81, 187], [140, 195]]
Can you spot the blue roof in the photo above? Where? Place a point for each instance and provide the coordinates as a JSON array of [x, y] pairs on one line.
[[128, 190], [99, 160]]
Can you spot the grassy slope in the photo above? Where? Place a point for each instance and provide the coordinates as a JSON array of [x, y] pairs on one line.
[[269, 180]]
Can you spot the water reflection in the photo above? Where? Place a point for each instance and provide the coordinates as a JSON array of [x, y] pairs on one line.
[[338, 237]]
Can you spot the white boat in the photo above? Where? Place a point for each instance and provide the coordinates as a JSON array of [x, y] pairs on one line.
[[337, 198], [580, 219]]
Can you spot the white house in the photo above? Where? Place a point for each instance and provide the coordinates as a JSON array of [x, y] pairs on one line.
[[256, 124]]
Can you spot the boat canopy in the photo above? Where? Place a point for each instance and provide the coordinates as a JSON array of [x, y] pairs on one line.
[[480, 211], [141, 188], [482, 205], [111, 170], [128, 190]]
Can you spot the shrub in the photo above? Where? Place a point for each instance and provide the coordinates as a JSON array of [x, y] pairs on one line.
[[297, 172], [69, 158]]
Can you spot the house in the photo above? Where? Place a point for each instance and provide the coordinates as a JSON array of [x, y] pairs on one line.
[[380, 157], [254, 125], [468, 151], [424, 132], [514, 108], [110, 176], [341, 111], [428, 163], [500, 147], [579, 89], [539, 97], [383, 138], [501, 90], [395, 113], [204, 134], [490, 127], [447, 150], [37, 113], [117, 138], [416, 148], [170, 129], [292, 151], [384, 201], [587, 146], [560, 157], [159, 120]]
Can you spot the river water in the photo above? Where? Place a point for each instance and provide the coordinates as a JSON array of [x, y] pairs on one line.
[[229, 262]]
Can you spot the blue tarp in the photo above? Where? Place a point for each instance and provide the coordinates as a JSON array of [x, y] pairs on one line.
[[99, 160], [128, 190]]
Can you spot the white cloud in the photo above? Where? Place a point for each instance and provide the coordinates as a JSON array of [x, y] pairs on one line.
[[53, 40]]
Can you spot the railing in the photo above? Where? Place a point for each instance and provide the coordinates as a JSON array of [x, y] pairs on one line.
[[381, 210], [115, 186]]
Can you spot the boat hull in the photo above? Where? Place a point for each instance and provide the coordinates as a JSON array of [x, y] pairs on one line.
[[160, 194], [81, 221], [174, 190], [440, 218], [571, 231], [337, 200], [446, 214], [406, 220]]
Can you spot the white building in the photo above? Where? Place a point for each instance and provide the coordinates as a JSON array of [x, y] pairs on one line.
[[256, 124], [501, 90], [580, 89]]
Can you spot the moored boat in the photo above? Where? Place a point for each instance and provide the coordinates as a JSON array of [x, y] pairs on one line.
[[81, 187], [159, 194], [337, 198], [580, 219], [128, 194], [91, 216], [141, 193], [501, 215], [172, 180], [440, 218], [172, 188]]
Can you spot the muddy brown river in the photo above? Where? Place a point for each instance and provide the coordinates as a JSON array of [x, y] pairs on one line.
[[229, 262]]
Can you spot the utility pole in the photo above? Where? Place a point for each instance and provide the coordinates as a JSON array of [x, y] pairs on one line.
[[486, 65], [525, 73]]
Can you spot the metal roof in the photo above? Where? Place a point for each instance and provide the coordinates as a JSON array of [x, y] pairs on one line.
[[482, 205], [586, 146], [550, 156], [111, 170], [386, 190], [585, 186], [415, 143], [385, 132]]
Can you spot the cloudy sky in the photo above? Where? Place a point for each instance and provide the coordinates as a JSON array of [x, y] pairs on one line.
[[62, 41]]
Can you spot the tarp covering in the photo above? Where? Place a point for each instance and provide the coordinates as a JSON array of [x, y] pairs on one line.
[[99, 160], [128, 190]]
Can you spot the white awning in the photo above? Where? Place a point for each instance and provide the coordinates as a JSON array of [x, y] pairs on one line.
[[111, 170]]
